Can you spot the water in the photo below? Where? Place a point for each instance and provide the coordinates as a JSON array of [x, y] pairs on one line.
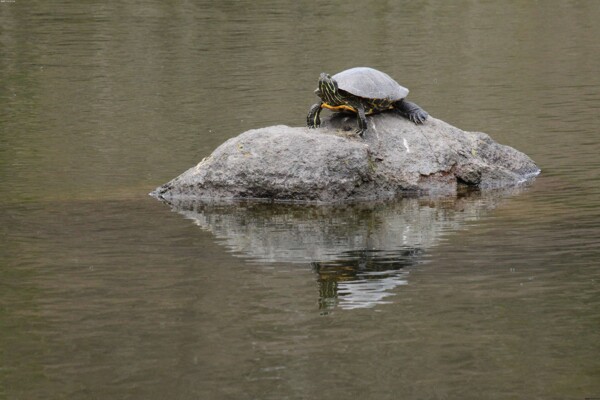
[[107, 293]]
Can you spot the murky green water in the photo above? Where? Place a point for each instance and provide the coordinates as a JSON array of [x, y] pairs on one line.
[[105, 293]]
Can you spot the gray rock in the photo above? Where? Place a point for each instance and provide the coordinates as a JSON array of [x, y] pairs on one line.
[[331, 164]]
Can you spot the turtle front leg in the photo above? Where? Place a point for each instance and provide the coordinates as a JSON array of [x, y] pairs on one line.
[[312, 119], [361, 118]]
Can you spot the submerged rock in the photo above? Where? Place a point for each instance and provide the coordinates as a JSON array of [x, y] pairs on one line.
[[330, 164]]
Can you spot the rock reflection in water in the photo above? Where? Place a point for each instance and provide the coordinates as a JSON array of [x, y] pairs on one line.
[[360, 252], [363, 278]]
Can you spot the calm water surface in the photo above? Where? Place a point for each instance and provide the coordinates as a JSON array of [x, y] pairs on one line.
[[107, 293]]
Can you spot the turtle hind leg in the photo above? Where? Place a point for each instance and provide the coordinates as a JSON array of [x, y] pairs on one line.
[[312, 119], [411, 111]]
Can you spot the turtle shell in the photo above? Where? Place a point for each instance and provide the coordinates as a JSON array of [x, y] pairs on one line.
[[370, 84]]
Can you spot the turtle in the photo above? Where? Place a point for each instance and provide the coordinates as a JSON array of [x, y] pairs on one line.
[[363, 91]]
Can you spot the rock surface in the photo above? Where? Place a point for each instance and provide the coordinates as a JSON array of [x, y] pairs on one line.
[[331, 164]]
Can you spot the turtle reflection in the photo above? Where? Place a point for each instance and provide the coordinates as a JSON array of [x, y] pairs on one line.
[[363, 278]]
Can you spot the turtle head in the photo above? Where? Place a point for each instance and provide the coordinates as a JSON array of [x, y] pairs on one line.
[[328, 89]]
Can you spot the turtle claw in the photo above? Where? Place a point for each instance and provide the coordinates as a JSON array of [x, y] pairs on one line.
[[312, 119], [418, 117], [413, 112], [312, 124], [360, 132]]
